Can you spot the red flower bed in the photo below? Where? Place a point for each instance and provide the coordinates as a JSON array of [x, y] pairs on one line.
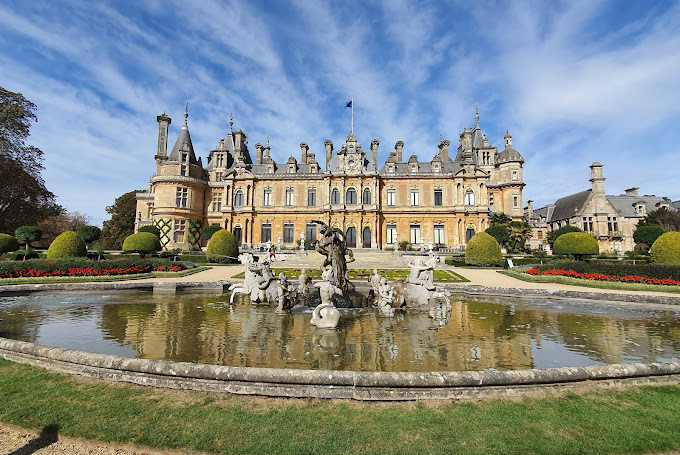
[[604, 277], [24, 270]]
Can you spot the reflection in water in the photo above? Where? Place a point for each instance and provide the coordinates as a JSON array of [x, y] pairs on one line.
[[478, 333]]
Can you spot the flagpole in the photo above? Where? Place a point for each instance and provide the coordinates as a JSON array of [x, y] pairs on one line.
[[351, 127]]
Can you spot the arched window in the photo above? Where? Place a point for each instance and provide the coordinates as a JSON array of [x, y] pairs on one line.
[[351, 196], [238, 198], [335, 196], [366, 198], [469, 197]]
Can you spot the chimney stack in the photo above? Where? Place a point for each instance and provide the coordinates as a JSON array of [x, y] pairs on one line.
[[632, 191], [258, 153], [444, 149], [163, 122], [303, 149], [596, 178], [399, 147], [374, 149], [329, 152]]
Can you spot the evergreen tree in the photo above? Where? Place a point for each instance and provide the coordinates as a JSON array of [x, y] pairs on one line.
[[122, 222]]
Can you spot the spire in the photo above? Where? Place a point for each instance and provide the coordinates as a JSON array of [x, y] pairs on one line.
[[186, 113], [183, 143], [476, 116], [231, 122]]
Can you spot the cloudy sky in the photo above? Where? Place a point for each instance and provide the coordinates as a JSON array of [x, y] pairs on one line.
[[574, 82]]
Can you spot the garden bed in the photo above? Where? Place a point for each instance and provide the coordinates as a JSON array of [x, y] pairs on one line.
[[655, 274], [77, 267]]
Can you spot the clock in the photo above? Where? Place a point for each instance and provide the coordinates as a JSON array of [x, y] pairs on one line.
[[350, 163]]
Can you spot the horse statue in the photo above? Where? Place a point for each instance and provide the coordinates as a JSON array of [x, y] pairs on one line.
[[257, 283]]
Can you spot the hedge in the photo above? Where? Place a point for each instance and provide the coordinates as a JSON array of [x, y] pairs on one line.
[[85, 267], [8, 243], [619, 268], [666, 249], [576, 243]]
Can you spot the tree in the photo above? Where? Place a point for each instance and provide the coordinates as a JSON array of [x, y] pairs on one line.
[[669, 220], [122, 222], [499, 232], [24, 199], [208, 231], [553, 235], [28, 234], [500, 218], [89, 233], [482, 249], [647, 234], [578, 244], [142, 243], [222, 247], [666, 249], [54, 225], [520, 232], [67, 245], [151, 229]]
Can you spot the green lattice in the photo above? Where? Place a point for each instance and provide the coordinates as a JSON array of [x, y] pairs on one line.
[[164, 225], [195, 235]]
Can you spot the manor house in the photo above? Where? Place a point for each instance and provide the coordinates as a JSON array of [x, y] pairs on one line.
[[444, 200]]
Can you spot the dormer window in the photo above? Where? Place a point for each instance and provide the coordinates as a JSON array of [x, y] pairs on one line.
[[640, 208], [185, 157], [270, 169], [390, 169], [219, 160], [183, 169], [291, 169], [515, 176], [414, 168], [436, 168]]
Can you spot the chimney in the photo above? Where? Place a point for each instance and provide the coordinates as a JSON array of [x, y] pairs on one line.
[[258, 153], [632, 191], [239, 139], [466, 139], [163, 122], [267, 148], [303, 149], [444, 149], [596, 178], [374, 149], [530, 208], [329, 152], [399, 147]]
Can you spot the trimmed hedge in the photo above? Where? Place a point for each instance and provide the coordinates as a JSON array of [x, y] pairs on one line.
[[666, 249], [84, 267], [142, 243], [577, 244], [620, 268], [222, 247], [484, 250], [8, 243], [67, 244]]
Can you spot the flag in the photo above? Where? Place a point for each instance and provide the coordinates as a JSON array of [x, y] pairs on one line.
[[349, 104]]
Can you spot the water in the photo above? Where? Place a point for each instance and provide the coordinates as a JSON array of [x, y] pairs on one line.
[[500, 333]]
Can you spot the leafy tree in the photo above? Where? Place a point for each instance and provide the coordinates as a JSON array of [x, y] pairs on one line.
[[208, 231], [482, 249], [500, 218], [122, 222], [8, 243], [647, 234], [24, 199], [520, 232], [28, 234], [222, 247], [499, 232], [150, 228], [142, 243], [553, 235], [669, 220], [54, 225], [89, 233]]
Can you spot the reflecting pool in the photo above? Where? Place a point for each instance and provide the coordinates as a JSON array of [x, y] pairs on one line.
[[479, 333]]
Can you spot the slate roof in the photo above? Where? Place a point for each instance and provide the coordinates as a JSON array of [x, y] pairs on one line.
[[183, 138], [567, 206], [625, 205]]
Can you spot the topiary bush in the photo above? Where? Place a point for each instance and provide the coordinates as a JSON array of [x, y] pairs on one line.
[[151, 229], [8, 243], [554, 235], [483, 249], [89, 233], [666, 249], [142, 243], [577, 244], [222, 247], [67, 245]]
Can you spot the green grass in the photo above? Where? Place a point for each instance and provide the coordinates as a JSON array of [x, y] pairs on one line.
[[364, 274], [590, 284], [636, 420], [93, 279]]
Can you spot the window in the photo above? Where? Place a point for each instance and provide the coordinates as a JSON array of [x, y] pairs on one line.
[[438, 197], [366, 197], [414, 196], [182, 196], [185, 157], [218, 176], [180, 228], [291, 169], [469, 197], [391, 233], [588, 223], [439, 234], [491, 202], [311, 197], [288, 233], [217, 202], [238, 199], [310, 232], [415, 234], [515, 175], [515, 201], [266, 232], [267, 197], [612, 224], [351, 196], [335, 196], [183, 169], [219, 160], [391, 197], [289, 196], [539, 235]]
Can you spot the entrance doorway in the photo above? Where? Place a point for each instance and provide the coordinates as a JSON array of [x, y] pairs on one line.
[[366, 237], [351, 237], [237, 235], [468, 234]]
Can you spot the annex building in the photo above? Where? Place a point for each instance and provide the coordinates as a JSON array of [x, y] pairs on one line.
[[442, 196]]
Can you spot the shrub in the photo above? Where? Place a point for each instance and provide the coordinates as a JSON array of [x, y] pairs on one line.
[[666, 249], [647, 234], [208, 231], [499, 232], [8, 243], [577, 244], [28, 234], [404, 245], [151, 229], [67, 244], [142, 243], [222, 247], [89, 233], [554, 235], [482, 249]]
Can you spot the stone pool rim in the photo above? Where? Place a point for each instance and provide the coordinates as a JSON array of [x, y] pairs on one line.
[[358, 385]]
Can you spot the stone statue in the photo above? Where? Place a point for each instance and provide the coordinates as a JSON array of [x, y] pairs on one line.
[[257, 283], [386, 293], [326, 315], [422, 273], [374, 282], [286, 295], [303, 283], [333, 245]]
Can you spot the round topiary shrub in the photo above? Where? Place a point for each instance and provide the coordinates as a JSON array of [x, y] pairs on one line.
[[8, 243], [222, 247], [67, 245], [150, 228], [483, 249], [142, 243], [578, 244], [666, 249]]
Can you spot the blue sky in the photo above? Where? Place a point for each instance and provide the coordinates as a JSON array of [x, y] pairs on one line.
[[574, 82]]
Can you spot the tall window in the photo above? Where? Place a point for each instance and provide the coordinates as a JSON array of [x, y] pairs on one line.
[[366, 197], [491, 202], [515, 201], [439, 234], [588, 223], [469, 197], [515, 175], [180, 229], [351, 196], [266, 232], [183, 169], [612, 224], [288, 233], [219, 160], [414, 196], [415, 234], [391, 233], [311, 197], [217, 202], [335, 196], [182, 196], [310, 232], [289, 196], [218, 176], [238, 198], [267, 197], [391, 197], [438, 197]]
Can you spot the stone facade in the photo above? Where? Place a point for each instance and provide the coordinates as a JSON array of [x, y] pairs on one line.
[[444, 200]]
